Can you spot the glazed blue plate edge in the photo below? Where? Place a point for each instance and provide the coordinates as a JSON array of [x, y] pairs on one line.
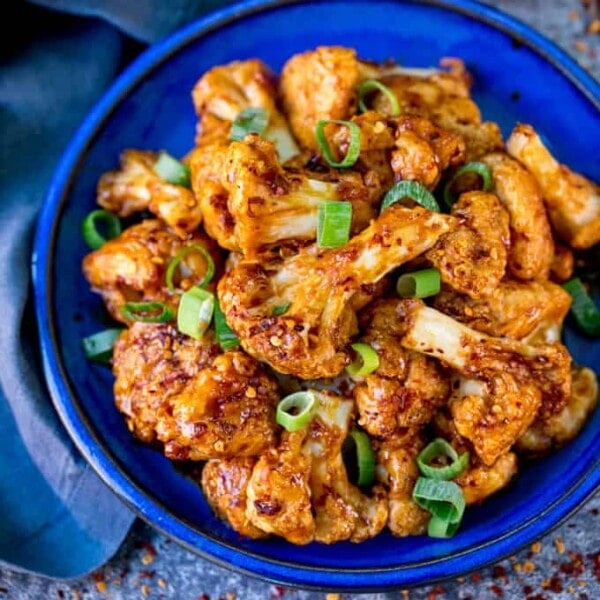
[[82, 432]]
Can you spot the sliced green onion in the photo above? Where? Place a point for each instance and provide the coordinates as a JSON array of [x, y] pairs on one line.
[[412, 190], [365, 457], [89, 228], [295, 411], [371, 85], [584, 310], [225, 335], [195, 312], [210, 265], [147, 312], [280, 309], [249, 120], [440, 447], [353, 148], [99, 346], [441, 528], [444, 500], [333, 223], [367, 360], [419, 284], [172, 170], [477, 168]]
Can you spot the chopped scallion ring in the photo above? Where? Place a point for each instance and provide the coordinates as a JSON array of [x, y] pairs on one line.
[[412, 190], [89, 228], [477, 168], [365, 457], [249, 120], [210, 265], [172, 170], [295, 411], [444, 500], [333, 223], [147, 312], [440, 447], [372, 85], [441, 528], [584, 309], [353, 147], [195, 312], [99, 346], [366, 362], [419, 284], [225, 335], [280, 309]]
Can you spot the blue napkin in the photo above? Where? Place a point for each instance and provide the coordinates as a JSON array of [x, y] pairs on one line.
[[56, 517]]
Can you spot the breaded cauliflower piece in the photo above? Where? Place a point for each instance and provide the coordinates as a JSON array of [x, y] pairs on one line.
[[152, 362], [472, 258], [317, 286], [136, 187], [479, 481], [224, 91], [531, 244], [563, 263], [573, 201], [226, 411], [406, 388], [132, 266]]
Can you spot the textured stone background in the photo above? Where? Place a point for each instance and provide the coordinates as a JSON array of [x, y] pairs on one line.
[[564, 564]]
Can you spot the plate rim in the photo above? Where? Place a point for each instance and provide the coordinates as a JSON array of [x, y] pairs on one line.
[[106, 464]]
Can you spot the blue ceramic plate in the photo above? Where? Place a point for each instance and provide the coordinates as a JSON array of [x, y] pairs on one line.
[[519, 75]]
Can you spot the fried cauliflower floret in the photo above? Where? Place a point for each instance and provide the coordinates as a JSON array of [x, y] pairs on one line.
[[224, 483], [515, 309], [479, 356], [556, 431], [136, 187], [406, 388], [397, 469], [224, 91], [479, 481], [573, 201], [317, 286], [472, 258], [531, 244], [152, 362], [301, 490], [226, 411], [132, 266], [563, 263]]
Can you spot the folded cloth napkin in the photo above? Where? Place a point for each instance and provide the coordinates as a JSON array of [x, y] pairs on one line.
[[58, 519]]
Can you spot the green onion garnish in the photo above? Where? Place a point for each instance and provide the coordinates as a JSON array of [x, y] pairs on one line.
[[147, 312], [353, 148], [419, 284], [436, 449], [366, 362], [99, 346], [412, 190], [295, 411], [444, 500], [477, 168], [249, 120], [365, 457], [280, 309], [371, 85], [210, 265], [172, 170], [225, 335], [195, 312], [333, 223], [584, 310], [89, 228]]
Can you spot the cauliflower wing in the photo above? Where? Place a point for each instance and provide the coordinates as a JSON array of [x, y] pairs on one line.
[[479, 481], [573, 201], [472, 258], [224, 91], [563, 263], [136, 187], [132, 266], [531, 244], [316, 287]]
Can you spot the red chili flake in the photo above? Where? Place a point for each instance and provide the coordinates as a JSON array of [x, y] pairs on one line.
[[204, 597], [497, 590], [527, 589], [554, 584], [499, 572], [595, 511], [537, 597], [475, 577], [595, 558], [278, 591], [144, 574], [97, 576], [150, 549]]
